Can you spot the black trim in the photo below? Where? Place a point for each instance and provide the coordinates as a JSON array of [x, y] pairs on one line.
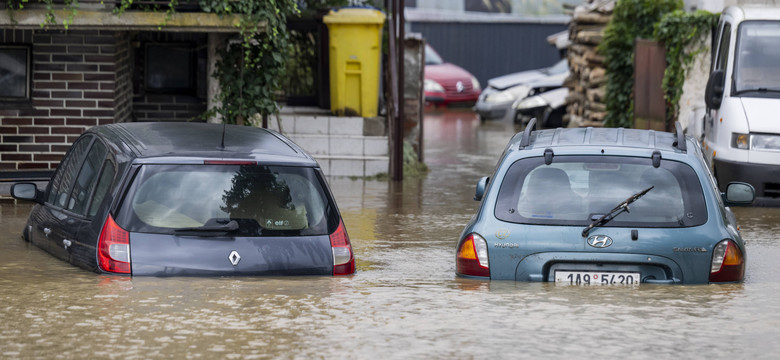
[[44, 175]]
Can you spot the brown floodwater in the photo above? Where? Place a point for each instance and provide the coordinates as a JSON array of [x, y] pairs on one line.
[[404, 300]]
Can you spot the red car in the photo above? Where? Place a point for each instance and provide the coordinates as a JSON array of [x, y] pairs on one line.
[[447, 83]]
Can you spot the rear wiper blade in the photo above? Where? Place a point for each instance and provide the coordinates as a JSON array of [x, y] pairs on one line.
[[615, 212], [231, 226]]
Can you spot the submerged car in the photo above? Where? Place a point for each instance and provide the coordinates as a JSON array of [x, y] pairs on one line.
[[502, 92], [548, 108], [598, 206], [446, 83], [188, 199]]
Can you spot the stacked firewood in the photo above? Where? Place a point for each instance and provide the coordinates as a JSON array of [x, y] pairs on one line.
[[587, 81]]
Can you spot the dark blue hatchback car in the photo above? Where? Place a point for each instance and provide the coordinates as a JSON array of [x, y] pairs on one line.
[[601, 206], [189, 199]]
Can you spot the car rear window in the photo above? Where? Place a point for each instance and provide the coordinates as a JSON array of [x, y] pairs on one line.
[[263, 200], [573, 190]]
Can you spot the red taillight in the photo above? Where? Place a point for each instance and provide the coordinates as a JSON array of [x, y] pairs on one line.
[[343, 259], [472, 258], [728, 263], [114, 248]]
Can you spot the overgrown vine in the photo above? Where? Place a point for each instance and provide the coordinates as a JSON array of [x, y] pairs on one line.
[[631, 19], [680, 31]]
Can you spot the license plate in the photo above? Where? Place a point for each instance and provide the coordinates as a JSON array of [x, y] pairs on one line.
[[597, 278]]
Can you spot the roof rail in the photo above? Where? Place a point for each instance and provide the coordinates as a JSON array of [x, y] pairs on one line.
[[679, 141], [526, 140]]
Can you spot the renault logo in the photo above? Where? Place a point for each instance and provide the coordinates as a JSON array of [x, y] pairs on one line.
[[599, 241], [234, 257]]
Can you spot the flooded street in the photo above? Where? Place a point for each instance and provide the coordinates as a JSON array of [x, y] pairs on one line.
[[403, 302]]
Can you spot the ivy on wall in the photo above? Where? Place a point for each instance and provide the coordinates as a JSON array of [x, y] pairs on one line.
[[249, 73], [631, 19], [679, 31]]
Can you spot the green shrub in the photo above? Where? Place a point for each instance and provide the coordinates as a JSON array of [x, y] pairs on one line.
[[631, 19]]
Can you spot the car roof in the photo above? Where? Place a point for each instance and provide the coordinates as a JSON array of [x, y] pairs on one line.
[[176, 140], [598, 137], [753, 12]]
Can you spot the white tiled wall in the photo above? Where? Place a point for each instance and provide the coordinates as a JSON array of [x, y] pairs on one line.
[[337, 143]]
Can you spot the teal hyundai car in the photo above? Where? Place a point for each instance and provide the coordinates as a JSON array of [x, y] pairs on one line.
[[604, 206]]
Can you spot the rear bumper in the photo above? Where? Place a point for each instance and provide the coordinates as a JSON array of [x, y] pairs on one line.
[[764, 178], [541, 267]]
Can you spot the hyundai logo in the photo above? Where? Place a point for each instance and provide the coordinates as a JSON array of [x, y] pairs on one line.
[[599, 241]]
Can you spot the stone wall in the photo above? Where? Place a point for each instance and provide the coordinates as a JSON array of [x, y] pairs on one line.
[[587, 80]]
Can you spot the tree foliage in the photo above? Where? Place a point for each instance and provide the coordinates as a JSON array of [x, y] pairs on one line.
[[680, 31], [631, 19]]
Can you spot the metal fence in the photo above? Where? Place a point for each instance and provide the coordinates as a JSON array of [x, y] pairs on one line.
[[490, 49]]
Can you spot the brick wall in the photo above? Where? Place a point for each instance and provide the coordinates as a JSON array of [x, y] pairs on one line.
[[123, 95], [74, 87]]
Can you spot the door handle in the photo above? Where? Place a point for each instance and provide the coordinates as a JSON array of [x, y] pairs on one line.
[[67, 243]]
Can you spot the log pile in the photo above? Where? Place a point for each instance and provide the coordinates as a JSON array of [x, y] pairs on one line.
[[587, 81]]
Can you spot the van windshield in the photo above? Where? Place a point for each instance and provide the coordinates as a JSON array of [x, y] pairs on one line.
[[758, 53], [263, 200]]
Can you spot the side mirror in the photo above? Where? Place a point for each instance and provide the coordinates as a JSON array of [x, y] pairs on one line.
[[713, 94], [481, 186], [739, 193], [27, 191]]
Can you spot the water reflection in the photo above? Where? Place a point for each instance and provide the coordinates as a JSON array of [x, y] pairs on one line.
[[404, 301]]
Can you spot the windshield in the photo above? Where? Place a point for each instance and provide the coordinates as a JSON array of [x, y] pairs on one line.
[[263, 200], [574, 190], [431, 57], [758, 53]]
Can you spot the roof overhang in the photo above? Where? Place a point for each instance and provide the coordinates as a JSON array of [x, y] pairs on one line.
[[129, 21]]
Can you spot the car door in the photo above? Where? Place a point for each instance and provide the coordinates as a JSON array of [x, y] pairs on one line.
[[86, 195], [719, 62], [52, 227]]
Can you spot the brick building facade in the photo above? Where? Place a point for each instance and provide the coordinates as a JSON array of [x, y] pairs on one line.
[[101, 70], [79, 79]]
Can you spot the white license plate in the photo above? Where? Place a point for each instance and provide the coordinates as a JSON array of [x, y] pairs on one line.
[[596, 278]]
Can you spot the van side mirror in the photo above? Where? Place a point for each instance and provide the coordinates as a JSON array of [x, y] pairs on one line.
[[739, 193], [27, 191], [713, 94], [481, 186]]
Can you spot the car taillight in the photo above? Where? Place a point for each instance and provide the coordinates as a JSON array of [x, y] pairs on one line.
[[472, 257], [728, 263], [343, 259], [114, 248]]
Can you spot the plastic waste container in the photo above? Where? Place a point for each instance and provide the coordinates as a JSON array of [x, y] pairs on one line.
[[355, 47]]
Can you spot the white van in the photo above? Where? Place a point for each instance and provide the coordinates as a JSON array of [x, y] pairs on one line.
[[741, 137]]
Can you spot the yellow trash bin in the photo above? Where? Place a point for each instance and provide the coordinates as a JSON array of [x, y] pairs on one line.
[[355, 47]]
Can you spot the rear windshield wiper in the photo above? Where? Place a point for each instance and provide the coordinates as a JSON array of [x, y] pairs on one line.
[[615, 212], [229, 227]]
